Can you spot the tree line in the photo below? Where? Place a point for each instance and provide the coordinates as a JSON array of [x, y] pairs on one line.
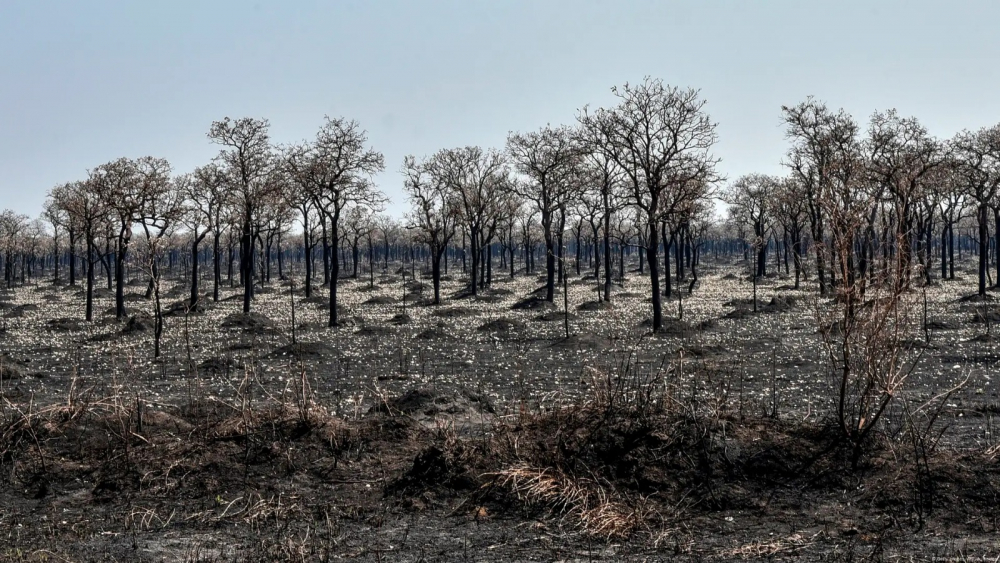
[[637, 176]]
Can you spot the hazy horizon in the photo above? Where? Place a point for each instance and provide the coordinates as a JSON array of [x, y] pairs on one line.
[[85, 84]]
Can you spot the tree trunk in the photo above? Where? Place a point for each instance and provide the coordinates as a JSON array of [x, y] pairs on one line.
[[120, 278], [335, 274], [652, 249], [607, 257], [996, 235], [436, 272], [194, 270], [983, 248], [89, 315], [72, 258], [246, 265], [951, 251], [216, 266], [326, 253], [579, 228], [474, 251], [354, 258], [667, 243]]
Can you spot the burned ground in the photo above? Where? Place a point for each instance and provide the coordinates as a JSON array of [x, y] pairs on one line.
[[474, 431]]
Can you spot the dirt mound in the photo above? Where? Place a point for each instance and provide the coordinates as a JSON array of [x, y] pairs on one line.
[[533, 304], [595, 306], [464, 293], [304, 350], [400, 319], [987, 315], [325, 306], [64, 324], [218, 364], [501, 325], [375, 331], [707, 324], [941, 324], [744, 307], [380, 300], [542, 290], [434, 333], [976, 298], [780, 304], [583, 341], [347, 321], [413, 297], [554, 316], [181, 308], [10, 368], [140, 322], [160, 420], [453, 312], [430, 402], [18, 311], [739, 313], [669, 327], [249, 322], [702, 351]]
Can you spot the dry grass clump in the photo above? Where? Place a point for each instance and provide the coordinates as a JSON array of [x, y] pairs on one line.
[[580, 461], [598, 512]]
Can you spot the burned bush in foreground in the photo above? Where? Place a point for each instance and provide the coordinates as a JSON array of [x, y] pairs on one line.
[[642, 455]]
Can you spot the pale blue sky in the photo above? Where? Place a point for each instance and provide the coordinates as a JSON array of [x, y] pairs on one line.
[[84, 82]]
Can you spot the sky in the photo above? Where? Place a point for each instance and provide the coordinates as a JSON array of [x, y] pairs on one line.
[[83, 83]]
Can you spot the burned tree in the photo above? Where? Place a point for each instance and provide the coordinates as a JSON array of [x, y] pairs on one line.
[[206, 195], [546, 158], [977, 156], [476, 179], [792, 213], [603, 196], [298, 196], [118, 183], [247, 159], [661, 138], [751, 199], [901, 155], [434, 217], [159, 215], [89, 211], [337, 169], [813, 128]]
